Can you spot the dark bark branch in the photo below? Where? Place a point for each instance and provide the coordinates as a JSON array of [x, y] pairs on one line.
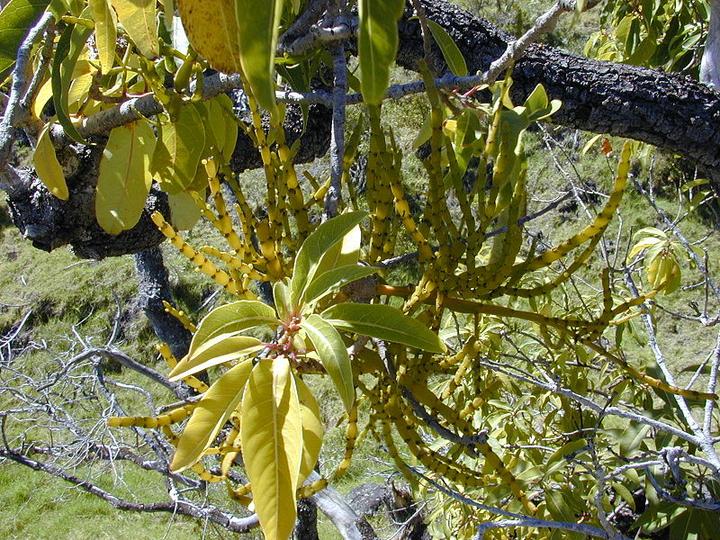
[[672, 112], [154, 288]]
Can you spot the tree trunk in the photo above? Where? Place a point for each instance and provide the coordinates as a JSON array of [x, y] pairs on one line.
[[154, 287]]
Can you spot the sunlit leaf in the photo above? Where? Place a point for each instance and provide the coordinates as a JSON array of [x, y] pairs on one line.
[[48, 167], [258, 26], [281, 296], [333, 356], [232, 319], [138, 19], [211, 413], [213, 352], [177, 155], [105, 32], [213, 31], [383, 322], [342, 253], [377, 45], [312, 428], [315, 246], [124, 179], [272, 441], [333, 280]]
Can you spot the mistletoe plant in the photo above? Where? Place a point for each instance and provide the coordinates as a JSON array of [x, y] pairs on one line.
[[277, 421]]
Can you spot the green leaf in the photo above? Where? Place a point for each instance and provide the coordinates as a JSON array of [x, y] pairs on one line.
[[333, 280], [138, 19], [383, 322], [184, 211], [312, 427], [48, 167], [212, 30], [377, 45], [573, 447], [67, 52], [178, 154], [211, 413], [281, 296], [333, 356], [105, 32], [16, 19], [342, 253], [272, 442], [258, 26], [218, 350], [124, 179], [314, 247], [231, 319], [453, 57]]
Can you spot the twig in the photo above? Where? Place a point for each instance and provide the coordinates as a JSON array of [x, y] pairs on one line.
[[337, 139], [12, 111], [184, 507]]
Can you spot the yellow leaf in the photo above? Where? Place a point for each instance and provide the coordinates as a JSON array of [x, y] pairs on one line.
[[79, 90], [312, 429], [48, 167], [105, 32], [138, 19], [124, 179], [213, 31], [209, 416], [272, 444], [178, 155], [216, 351], [43, 96]]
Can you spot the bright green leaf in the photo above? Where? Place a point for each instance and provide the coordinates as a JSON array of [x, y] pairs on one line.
[[333, 356], [177, 156], [281, 296], [312, 427], [383, 322], [105, 32], [333, 280], [258, 24], [377, 45], [315, 246], [342, 253], [231, 319], [213, 352]]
